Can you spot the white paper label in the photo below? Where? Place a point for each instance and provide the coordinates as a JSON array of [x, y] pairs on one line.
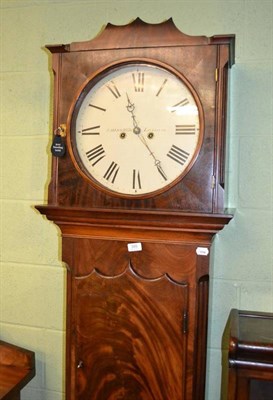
[[202, 251], [134, 247]]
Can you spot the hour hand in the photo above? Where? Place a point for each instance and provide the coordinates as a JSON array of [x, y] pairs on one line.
[[130, 107]]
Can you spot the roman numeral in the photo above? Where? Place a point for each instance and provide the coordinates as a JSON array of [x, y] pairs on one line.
[[111, 173], [180, 104], [96, 154], [97, 107], [185, 129], [178, 155], [138, 79], [93, 130], [136, 179], [113, 89], [161, 87]]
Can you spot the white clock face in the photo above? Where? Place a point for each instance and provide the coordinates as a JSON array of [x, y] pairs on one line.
[[135, 131]]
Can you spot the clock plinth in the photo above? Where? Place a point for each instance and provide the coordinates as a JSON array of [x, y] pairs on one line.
[[136, 231]]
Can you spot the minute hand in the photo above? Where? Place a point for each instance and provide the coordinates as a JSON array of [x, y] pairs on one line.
[[157, 162]]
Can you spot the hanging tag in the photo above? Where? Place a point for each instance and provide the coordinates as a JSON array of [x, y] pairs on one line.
[[58, 147]]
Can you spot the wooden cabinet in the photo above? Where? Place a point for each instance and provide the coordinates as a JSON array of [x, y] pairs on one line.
[[17, 368], [137, 315], [248, 356]]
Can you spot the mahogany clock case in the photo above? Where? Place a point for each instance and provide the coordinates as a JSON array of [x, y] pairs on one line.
[[202, 61], [137, 321]]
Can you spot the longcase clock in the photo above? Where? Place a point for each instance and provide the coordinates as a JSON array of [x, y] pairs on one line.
[[138, 196]]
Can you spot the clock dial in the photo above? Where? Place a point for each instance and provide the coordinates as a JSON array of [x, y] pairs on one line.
[[135, 129]]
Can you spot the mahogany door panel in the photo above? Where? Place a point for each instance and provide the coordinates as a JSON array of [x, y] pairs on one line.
[[130, 337]]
